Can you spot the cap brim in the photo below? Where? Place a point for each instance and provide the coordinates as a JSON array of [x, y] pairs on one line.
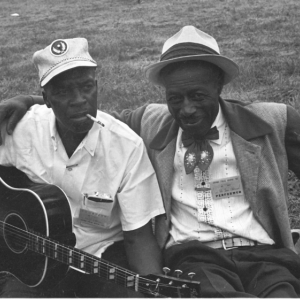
[[65, 67], [229, 67]]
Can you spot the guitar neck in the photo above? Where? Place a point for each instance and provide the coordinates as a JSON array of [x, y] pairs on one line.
[[18, 234], [83, 261]]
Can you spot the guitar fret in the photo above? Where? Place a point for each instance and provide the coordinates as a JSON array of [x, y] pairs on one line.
[[29, 245], [136, 286], [64, 254], [70, 256], [82, 261], [37, 244], [43, 246], [130, 281], [51, 250], [96, 267], [111, 273], [89, 264], [55, 251]]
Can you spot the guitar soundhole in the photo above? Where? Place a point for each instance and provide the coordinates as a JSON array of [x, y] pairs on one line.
[[15, 233]]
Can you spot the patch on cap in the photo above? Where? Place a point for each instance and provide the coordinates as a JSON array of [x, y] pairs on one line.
[[59, 47]]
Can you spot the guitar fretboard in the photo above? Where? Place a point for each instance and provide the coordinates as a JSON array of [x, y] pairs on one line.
[[83, 261]]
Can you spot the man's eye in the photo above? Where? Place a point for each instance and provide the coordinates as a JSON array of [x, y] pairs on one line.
[[197, 96], [61, 92], [174, 99], [87, 87]]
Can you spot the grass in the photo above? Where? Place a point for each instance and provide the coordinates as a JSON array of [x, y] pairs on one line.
[[262, 36]]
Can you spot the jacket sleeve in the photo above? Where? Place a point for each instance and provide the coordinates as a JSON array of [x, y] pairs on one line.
[[132, 118], [292, 140]]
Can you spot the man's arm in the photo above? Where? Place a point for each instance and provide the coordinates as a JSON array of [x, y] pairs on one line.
[[143, 253], [140, 201], [15, 108], [132, 118]]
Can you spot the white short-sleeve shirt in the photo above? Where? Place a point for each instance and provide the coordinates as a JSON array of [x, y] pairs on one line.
[[110, 160]]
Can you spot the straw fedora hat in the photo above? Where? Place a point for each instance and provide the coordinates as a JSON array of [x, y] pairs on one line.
[[191, 43]]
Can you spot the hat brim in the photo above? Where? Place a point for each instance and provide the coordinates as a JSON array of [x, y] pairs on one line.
[[229, 67], [65, 67]]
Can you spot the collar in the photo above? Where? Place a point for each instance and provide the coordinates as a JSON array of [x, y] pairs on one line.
[[91, 139], [241, 120], [53, 131], [220, 123], [89, 142]]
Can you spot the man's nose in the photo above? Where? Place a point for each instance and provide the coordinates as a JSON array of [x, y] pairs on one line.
[[188, 108], [78, 98]]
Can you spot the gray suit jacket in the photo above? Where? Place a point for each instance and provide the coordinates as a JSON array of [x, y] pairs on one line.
[[265, 138]]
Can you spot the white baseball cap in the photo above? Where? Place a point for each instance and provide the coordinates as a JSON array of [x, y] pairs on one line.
[[60, 56]]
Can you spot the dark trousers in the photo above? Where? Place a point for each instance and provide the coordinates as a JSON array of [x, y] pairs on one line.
[[75, 284], [258, 271]]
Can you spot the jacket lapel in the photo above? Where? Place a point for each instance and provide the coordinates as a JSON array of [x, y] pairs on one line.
[[163, 148], [248, 157]]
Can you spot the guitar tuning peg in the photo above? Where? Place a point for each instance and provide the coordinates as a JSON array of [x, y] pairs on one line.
[[166, 270], [178, 273], [191, 275]]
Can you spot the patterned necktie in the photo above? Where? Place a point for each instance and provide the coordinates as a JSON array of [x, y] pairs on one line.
[[199, 150]]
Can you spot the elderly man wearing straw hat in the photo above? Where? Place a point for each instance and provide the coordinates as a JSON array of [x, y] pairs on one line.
[[222, 166]]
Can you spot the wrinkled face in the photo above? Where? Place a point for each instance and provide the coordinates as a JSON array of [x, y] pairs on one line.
[[192, 97], [72, 95]]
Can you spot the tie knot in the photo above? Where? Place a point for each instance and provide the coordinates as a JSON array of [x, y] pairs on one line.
[[188, 138]]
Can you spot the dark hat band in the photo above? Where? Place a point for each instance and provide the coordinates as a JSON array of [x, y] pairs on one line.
[[186, 49]]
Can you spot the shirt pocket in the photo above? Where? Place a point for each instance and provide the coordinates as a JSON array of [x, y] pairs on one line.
[[95, 214], [101, 207]]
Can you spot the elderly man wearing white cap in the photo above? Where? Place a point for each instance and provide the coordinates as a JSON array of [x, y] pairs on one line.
[[98, 161], [222, 166]]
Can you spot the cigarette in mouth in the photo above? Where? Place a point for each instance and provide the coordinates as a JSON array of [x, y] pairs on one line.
[[95, 120]]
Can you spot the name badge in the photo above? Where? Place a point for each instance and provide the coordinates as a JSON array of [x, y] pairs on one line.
[[92, 218], [226, 187]]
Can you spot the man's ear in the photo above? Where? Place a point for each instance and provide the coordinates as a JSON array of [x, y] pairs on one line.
[[46, 99]]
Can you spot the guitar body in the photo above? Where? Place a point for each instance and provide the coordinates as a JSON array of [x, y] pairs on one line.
[[40, 208], [37, 243]]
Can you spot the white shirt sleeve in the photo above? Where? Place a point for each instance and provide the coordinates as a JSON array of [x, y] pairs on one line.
[[139, 195], [6, 149]]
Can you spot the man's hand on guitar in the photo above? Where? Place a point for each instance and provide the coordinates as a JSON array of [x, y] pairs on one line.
[[13, 110]]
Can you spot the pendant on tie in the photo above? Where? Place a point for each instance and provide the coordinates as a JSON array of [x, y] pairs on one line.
[[198, 154], [206, 158]]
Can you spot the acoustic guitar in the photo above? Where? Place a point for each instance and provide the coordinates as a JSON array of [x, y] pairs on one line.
[[37, 243]]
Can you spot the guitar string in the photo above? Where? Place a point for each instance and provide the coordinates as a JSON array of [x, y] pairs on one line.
[[118, 280], [74, 250], [77, 255], [16, 231]]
